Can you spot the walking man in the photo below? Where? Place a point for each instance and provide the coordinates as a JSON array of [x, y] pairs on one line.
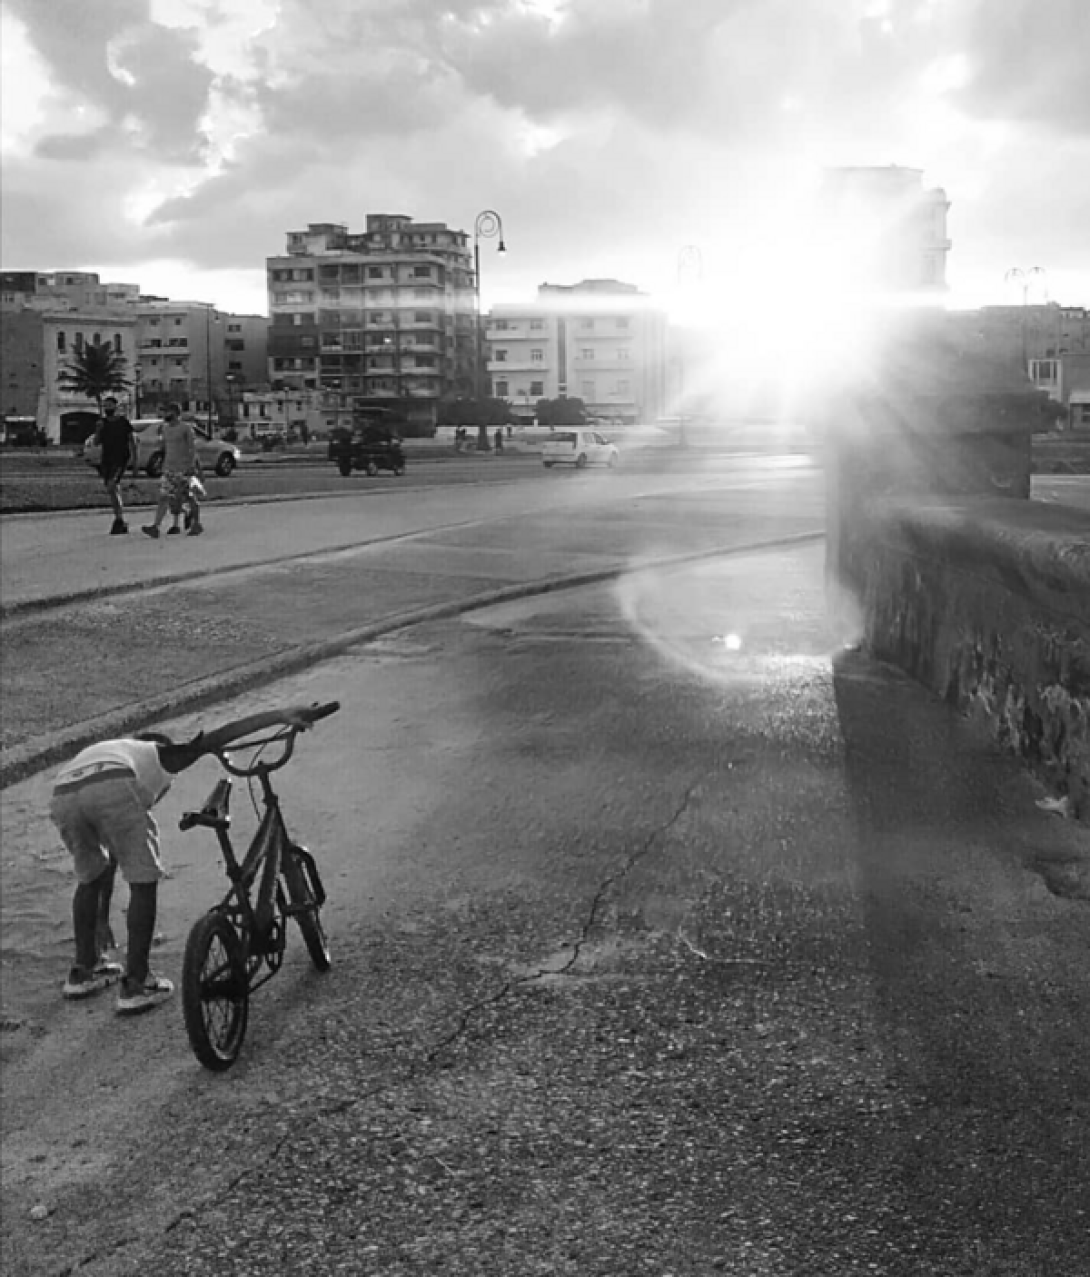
[[115, 434], [180, 465]]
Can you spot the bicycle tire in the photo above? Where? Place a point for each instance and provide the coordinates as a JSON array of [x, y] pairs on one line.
[[215, 992], [305, 907]]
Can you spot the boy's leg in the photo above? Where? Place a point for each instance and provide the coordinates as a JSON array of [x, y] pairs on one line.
[[161, 506], [143, 906], [85, 915], [104, 932]]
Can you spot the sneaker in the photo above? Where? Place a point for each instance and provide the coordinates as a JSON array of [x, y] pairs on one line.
[[118, 527], [82, 983], [152, 532], [135, 998], [174, 531], [195, 530]]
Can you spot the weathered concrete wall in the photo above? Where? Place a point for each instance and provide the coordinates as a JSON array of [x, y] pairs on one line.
[[986, 601]]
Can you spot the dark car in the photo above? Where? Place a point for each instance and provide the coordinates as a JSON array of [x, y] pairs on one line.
[[369, 446]]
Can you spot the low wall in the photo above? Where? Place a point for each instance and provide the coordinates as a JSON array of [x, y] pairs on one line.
[[986, 601]]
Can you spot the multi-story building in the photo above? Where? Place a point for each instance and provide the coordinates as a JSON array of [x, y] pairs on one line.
[[385, 316], [187, 351], [880, 231], [600, 341], [38, 343]]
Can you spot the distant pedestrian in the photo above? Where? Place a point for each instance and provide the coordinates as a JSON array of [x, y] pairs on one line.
[[101, 806], [180, 465], [115, 435], [498, 440]]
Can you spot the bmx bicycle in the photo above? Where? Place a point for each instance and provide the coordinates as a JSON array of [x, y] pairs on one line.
[[238, 945]]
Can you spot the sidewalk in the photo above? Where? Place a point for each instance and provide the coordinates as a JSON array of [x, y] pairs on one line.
[[655, 952], [100, 671]]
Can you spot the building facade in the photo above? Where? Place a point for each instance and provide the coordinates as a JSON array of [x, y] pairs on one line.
[[385, 316], [880, 231], [601, 341]]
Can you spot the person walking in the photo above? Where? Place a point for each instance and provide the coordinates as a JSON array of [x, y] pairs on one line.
[[180, 465], [101, 806], [115, 435]]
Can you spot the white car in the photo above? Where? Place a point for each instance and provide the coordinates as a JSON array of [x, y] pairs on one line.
[[577, 447], [214, 453]]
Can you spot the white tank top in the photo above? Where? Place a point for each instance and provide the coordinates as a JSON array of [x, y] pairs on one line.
[[140, 757]]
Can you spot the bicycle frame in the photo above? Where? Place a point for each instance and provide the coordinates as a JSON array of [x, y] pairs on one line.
[[253, 917]]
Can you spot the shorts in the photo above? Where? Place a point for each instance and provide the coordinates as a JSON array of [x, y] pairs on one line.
[[105, 818], [175, 485], [113, 469]]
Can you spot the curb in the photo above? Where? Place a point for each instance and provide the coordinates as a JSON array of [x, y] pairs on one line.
[[36, 755], [30, 607]]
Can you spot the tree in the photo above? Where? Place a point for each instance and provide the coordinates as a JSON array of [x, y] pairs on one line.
[[94, 371], [561, 412]]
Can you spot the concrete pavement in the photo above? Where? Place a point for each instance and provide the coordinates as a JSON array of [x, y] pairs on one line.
[[666, 940], [274, 588]]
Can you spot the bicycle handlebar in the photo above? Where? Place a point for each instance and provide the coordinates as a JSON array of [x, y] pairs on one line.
[[285, 735]]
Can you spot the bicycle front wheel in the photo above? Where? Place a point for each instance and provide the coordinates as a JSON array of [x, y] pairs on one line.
[[215, 992], [305, 897]]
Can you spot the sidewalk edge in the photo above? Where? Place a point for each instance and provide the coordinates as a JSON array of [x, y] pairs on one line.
[[34, 756]]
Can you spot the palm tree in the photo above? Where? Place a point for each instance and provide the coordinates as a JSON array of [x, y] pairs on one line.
[[94, 371]]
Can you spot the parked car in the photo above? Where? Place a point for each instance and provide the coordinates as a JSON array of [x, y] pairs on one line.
[[578, 447], [368, 447], [215, 453]]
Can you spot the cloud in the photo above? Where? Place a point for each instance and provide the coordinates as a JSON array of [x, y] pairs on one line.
[[607, 132]]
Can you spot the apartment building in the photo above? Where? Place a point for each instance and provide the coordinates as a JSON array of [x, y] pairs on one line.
[[880, 231], [601, 341], [175, 350], [385, 316]]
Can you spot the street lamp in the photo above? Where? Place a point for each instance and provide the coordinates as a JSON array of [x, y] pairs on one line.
[[208, 315], [488, 225], [690, 268], [1024, 278]]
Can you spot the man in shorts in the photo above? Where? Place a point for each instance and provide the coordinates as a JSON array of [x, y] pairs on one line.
[[115, 434], [180, 465], [101, 806]]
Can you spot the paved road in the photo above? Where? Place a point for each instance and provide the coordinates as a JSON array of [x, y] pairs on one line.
[[655, 953]]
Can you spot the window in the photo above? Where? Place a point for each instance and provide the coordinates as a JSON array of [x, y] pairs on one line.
[[77, 341], [425, 361], [178, 341], [537, 356], [501, 325], [422, 272], [117, 342], [1043, 369], [586, 353], [623, 354], [234, 328], [502, 389], [177, 321], [537, 388], [423, 316], [60, 341], [536, 325], [586, 323], [96, 340], [500, 356], [621, 388], [622, 322], [154, 322], [375, 272]]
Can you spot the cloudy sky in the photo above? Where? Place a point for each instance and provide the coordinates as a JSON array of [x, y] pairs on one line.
[[172, 143]]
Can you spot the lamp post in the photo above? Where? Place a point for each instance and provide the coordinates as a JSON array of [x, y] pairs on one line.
[[690, 267], [208, 312], [488, 225], [1025, 279]]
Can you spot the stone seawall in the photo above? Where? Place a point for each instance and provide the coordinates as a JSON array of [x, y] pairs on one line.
[[987, 602]]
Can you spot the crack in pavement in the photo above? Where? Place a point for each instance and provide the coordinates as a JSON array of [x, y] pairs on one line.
[[423, 1064]]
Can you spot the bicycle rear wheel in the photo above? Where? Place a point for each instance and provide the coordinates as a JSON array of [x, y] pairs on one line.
[[215, 992], [305, 898]]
